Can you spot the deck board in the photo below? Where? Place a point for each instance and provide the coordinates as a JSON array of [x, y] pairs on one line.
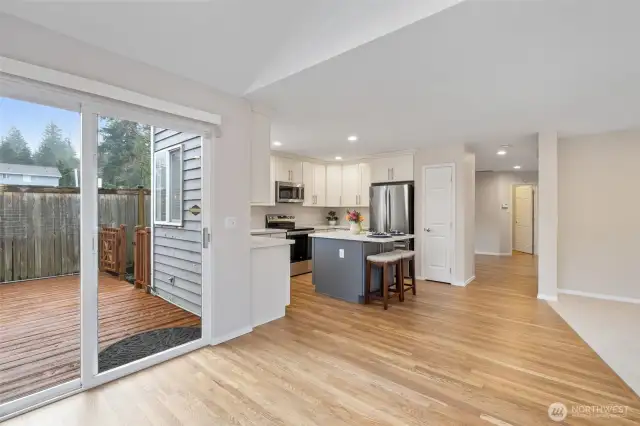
[[40, 328]]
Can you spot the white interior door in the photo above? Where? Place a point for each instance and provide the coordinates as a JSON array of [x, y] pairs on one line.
[[438, 225], [523, 226]]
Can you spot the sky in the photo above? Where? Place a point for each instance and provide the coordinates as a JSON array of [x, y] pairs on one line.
[[31, 119]]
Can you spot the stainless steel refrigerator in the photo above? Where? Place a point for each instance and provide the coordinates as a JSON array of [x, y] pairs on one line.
[[391, 207]]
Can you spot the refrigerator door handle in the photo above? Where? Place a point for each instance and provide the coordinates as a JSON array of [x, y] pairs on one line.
[[388, 202]]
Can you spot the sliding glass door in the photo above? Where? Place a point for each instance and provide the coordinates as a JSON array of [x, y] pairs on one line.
[[103, 235], [147, 205]]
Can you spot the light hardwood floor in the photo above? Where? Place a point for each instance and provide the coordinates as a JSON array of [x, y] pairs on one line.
[[486, 354]]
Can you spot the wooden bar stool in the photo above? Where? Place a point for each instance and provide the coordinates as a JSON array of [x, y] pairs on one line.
[[384, 261], [410, 257]]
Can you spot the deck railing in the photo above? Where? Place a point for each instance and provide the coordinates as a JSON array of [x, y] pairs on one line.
[[142, 258]]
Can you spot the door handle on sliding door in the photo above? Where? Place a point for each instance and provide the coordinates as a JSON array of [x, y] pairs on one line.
[[206, 237]]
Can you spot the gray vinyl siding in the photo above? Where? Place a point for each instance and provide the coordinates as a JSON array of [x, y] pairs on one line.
[[177, 251]]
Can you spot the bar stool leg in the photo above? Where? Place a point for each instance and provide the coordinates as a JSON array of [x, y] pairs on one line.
[[385, 286], [400, 280], [367, 284], [412, 267]]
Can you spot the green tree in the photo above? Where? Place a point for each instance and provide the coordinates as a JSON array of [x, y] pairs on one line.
[[55, 149], [124, 158], [14, 148]]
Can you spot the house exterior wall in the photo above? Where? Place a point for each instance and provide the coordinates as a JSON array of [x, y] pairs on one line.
[[177, 250], [15, 179]]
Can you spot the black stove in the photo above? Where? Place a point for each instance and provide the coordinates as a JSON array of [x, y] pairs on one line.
[[301, 248]]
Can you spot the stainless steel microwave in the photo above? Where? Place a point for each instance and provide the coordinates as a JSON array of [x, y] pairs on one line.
[[289, 192]]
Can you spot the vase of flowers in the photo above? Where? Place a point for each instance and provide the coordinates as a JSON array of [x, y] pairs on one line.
[[332, 217], [355, 219]]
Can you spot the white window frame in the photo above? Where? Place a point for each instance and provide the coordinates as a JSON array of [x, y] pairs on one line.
[[167, 153]]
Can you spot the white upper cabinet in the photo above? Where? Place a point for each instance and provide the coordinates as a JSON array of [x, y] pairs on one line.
[[320, 184], [392, 169], [288, 170], [334, 185], [350, 185], [365, 183], [314, 179], [261, 160]]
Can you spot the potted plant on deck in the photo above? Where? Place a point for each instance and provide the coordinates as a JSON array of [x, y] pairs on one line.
[[332, 217], [355, 219]]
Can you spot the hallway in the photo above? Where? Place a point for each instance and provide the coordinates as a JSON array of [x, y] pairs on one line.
[[490, 353]]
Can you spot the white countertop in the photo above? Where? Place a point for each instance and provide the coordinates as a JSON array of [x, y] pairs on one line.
[[265, 242], [327, 227], [346, 235], [265, 231]]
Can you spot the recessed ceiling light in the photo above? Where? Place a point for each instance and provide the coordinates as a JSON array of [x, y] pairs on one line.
[[352, 138], [277, 143], [516, 167], [502, 152], [338, 158]]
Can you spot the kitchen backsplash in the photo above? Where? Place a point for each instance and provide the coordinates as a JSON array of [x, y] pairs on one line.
[[304, 215]]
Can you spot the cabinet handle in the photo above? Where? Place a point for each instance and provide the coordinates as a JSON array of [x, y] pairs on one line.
[[389, 174], [393, 173]]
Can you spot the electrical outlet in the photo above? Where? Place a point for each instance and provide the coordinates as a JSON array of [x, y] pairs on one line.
[[341, 253]]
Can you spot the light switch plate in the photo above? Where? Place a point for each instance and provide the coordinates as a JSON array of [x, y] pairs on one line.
[[341, 253], [230, 222]]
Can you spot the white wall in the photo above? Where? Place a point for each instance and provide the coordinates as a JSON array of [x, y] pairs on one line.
[[599, 212], [304, 215], [231, 247], [548, 215], [464, 265], [494, 226]]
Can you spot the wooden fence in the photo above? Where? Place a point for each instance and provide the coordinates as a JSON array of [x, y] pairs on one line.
[[40, 228]]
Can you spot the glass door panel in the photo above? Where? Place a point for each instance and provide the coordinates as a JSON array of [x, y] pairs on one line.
[[40, 249], [149, 241]]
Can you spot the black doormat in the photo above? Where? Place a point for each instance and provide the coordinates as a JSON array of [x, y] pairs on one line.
[[143, 345]]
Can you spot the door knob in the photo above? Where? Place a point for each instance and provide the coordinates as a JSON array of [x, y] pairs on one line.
[[428, 229]]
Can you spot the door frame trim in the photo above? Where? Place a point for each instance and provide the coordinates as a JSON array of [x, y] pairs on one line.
[[452, 242], [534, 191]]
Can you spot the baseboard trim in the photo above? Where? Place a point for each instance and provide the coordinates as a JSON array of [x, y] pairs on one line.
[[489, 253], [464, 284], [232, 335], [547, 297], [600, 296]]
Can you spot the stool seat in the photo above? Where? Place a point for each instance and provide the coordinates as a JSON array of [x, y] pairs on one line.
[[388, 257], [406, 254]]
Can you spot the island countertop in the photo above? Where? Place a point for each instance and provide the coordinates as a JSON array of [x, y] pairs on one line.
[[346, 235]]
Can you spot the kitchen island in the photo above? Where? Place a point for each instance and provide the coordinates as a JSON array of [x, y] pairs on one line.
[[340, 259]]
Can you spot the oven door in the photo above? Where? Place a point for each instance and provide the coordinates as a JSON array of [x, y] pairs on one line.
[[287, 192], [300, 248]]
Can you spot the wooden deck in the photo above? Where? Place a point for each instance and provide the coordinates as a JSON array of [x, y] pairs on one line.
[[40, 328]]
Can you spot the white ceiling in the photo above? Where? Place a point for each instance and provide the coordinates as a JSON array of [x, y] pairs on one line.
[[521, 151], [231, 45], [398, 74], [480, 71]]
